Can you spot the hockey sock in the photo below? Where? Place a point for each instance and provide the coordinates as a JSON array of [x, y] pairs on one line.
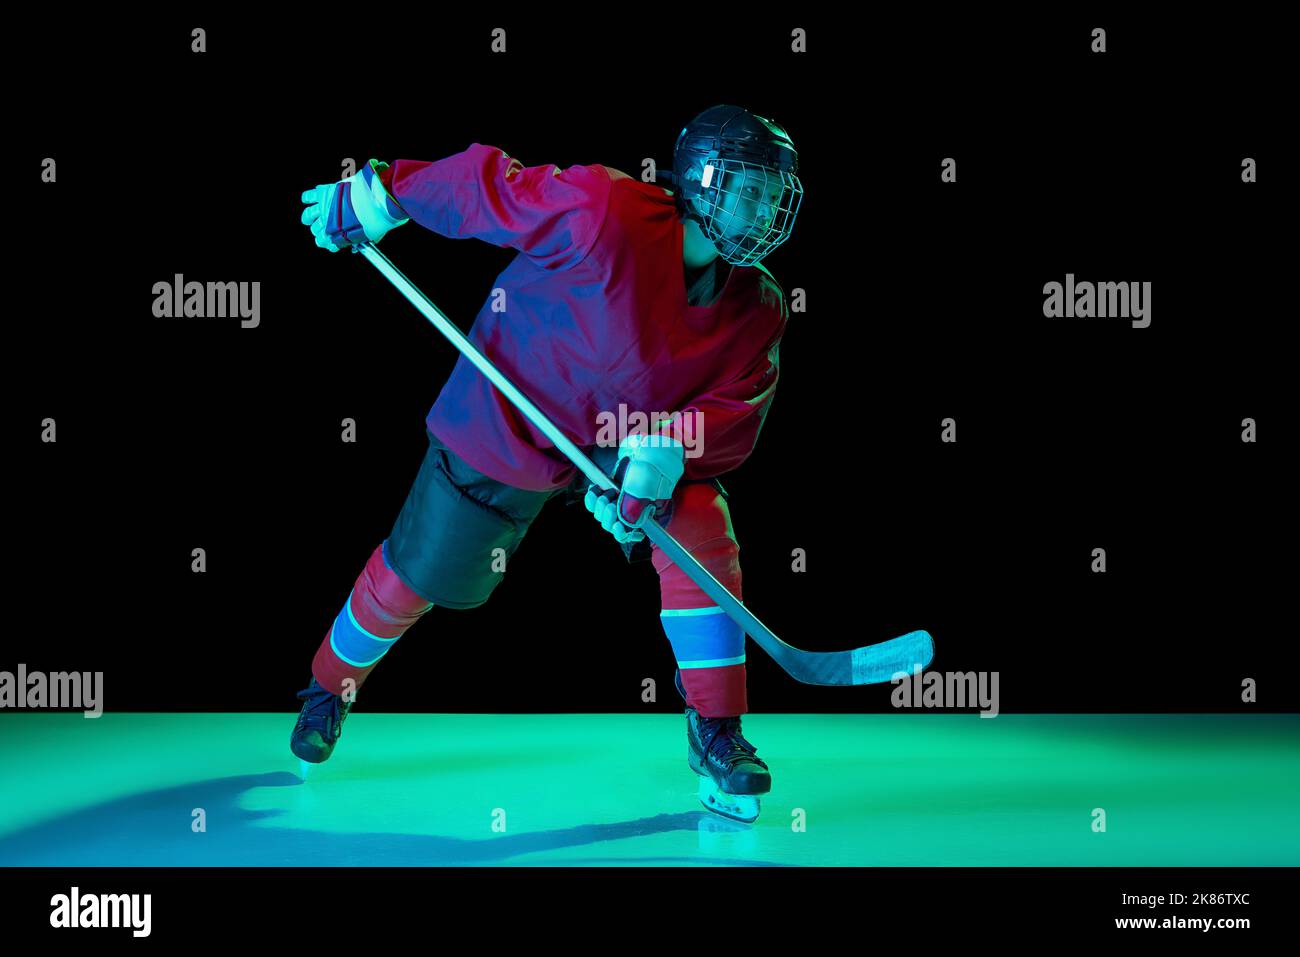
[[378, 611], [708, 645], [710, 652]]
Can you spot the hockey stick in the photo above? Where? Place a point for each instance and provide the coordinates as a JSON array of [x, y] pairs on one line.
[[870, 664]]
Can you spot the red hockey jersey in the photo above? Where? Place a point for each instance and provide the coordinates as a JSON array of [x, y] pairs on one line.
[[595, 316]]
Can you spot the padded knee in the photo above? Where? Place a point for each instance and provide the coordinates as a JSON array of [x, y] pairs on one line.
[[701, 523]]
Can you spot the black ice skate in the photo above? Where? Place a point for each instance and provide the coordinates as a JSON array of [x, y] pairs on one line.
[[732, 775], [320, 722]]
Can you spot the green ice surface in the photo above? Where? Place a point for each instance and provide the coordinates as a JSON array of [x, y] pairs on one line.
[[919, 789]]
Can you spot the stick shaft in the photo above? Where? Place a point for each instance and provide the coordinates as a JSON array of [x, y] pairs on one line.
[[654, 531]]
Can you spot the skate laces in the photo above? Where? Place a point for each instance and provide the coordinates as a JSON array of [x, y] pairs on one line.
[[727, 744], [324, 711]]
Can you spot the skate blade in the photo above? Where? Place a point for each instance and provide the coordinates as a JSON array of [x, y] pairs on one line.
[[304, 768], [736, 807]]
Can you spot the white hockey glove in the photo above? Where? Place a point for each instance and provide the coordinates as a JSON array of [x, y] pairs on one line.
[[354, 210], [647, 470]]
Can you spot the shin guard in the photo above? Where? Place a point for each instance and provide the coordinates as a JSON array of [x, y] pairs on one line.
[[708, 645], [378, 611]]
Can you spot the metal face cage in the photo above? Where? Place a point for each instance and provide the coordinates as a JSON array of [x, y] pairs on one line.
[[748, 209]]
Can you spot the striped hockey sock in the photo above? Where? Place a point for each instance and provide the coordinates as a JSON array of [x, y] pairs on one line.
[[710, 652], [378, 611]]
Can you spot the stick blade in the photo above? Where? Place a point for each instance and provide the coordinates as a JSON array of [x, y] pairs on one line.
[[879, 663]]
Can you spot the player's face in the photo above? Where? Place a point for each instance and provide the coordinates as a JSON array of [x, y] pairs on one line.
[[747, 203]]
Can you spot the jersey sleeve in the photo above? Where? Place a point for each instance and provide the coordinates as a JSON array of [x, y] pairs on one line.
[[551, 215]]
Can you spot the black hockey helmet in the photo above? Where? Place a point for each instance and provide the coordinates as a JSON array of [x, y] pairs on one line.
[[734, 173]]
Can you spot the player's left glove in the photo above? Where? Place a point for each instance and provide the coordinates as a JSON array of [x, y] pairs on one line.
[[647, 470], [354, 210]]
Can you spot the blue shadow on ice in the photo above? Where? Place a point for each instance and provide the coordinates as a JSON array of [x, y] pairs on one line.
[[152, 829]]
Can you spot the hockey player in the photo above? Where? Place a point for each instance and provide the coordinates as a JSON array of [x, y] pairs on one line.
[[623, 293]]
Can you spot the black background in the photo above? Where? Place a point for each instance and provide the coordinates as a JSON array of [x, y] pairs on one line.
[[924, 300]]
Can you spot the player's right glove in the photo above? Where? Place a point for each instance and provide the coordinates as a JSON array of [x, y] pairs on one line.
[[354, 210], [647, 470]]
